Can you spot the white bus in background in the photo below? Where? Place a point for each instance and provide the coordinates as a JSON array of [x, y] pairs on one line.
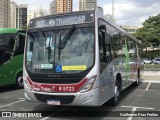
[[78, 59]]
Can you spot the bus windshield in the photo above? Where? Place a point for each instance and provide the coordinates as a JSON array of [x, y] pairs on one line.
[[66, 51]]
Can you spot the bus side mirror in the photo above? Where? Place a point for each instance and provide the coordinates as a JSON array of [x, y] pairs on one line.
[[102, 28]]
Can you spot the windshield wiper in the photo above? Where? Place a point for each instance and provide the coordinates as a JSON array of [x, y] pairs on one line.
[[63, 42], [67, 36], [59, 48], [49, 50]]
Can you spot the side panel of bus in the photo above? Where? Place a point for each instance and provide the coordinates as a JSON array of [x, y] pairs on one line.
[[12, 65], [6, 51], [12, 68], [121, 59]]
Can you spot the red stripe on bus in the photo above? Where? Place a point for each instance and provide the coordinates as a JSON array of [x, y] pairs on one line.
[[41, 87]]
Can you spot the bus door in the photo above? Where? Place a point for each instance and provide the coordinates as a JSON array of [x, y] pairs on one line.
[[104, 48], [105, 57], [6, 51]]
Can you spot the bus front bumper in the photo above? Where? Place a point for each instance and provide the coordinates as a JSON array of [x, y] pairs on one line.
[[90, 98]]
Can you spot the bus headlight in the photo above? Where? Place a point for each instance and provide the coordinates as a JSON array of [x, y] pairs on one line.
[[26, 83], [88, 85]]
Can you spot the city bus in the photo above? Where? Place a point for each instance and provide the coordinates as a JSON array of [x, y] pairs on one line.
[[12, 42], [79, 59]]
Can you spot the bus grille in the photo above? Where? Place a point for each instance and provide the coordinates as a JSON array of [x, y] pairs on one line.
[[56, 80], [63, 99]]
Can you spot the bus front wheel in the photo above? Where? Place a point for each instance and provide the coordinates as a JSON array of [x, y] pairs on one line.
[[19, 81], [117, 92]]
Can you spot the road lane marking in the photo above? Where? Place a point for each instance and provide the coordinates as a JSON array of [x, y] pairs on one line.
[[134, 109], [148, 86], [152, 81], [137, 107], [53, 114], [22, 99], [47, 117]]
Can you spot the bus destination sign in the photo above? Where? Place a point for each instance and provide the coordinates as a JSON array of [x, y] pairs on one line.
[[61, 20]]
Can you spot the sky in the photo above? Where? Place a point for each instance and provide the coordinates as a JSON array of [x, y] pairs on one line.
[[126, 12]]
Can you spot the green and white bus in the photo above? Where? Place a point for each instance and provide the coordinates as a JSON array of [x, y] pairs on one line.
[[12, 42], [79, 59]]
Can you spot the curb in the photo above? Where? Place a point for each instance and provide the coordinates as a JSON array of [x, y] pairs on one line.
[[150, 81]]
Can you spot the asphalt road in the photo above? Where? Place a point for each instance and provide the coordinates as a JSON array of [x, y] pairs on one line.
[[145, 97]]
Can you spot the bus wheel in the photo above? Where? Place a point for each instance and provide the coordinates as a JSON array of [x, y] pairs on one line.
[[117, 91], [19, 81]]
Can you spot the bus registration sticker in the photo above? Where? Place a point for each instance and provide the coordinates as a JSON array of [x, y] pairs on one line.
[[46, 66], [78, 67], [53, 102]]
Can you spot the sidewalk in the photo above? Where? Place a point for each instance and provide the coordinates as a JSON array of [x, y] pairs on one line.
[[151, 76], [151, 73]]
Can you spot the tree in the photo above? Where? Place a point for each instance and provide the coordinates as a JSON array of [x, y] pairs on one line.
[[150, 33]]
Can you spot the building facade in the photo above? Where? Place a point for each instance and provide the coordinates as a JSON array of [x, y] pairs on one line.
[[30, 15], [4, 13], [52, 7], [131, 29], [87, 5], [21, 16], [40, 12], [63, 6], [13, 7]]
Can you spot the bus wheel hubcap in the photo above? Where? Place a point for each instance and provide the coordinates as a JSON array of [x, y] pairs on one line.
[[116, 92], [20, 81], [137, 80]]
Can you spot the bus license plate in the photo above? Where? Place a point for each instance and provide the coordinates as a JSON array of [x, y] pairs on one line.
[[53, 102]]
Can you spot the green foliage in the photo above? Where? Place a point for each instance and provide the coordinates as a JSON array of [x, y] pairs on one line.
[[152, 66], [150, 33]]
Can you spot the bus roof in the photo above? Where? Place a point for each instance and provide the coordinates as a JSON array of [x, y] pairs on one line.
[[9, 30], [67, 13], [98, 14], [69, 18]]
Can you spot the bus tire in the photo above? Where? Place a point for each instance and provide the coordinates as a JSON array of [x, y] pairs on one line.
[[117, 92], [138, 79], [19, 81]]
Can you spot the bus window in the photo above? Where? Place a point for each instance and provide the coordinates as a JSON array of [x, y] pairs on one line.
[[108, 47], [6, 47], [102, 48], [20, 43]]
